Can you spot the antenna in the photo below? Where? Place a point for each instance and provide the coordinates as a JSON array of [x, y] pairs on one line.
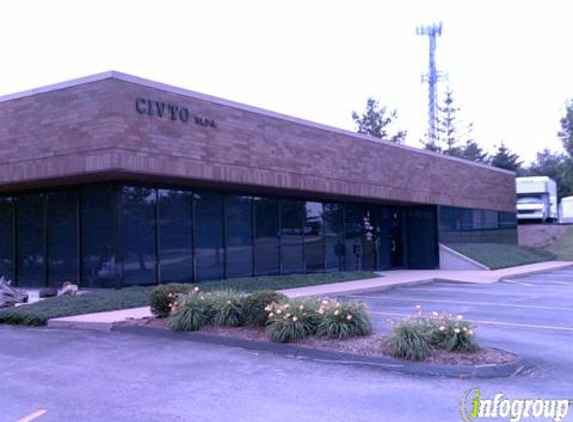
[[432, 77]]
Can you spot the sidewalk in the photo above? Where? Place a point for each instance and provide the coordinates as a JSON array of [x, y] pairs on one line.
[[105, 320]]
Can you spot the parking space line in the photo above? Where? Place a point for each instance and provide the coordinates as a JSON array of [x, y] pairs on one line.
[[520, 283], [451, 302], [502, 323], [34, 415]]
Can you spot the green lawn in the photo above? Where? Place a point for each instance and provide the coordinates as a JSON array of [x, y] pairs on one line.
[[497, 255], [110, 300], [563, 248]]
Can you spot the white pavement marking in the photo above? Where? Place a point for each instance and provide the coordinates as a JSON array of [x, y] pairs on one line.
[[33, 415], [520, 283], [452, 302], [510, 324]]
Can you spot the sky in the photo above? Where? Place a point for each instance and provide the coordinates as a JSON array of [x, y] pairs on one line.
[[508, 62]]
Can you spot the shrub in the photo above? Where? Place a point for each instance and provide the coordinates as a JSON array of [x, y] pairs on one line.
[[256, 303], [228, 308], [452, 334], [410, 340], [414, 338], [291, 321], [343, 320], [163, 297], [190, 312]]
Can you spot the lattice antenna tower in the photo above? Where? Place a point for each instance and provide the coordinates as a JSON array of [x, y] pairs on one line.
[[432, 78]]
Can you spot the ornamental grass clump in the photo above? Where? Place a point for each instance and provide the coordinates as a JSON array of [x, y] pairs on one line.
[[454, 334], [414, 338], [342, 320], [291, 321], [228, 308], [190, 312], [256, 303], [409, 340]]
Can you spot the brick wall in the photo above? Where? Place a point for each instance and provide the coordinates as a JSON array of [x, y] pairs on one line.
[[92, 130]]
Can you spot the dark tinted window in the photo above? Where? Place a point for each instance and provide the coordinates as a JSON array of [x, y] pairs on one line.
[[62, 237], [31, 240], [334, 236], [6, 238], [292, 217], [209, 231], [98, 236], [314, 247], [175, 236], [266, 236], [239, 232], [139, 255]]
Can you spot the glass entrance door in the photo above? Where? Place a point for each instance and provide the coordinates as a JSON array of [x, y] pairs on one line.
[[396, 239], [368, 241]]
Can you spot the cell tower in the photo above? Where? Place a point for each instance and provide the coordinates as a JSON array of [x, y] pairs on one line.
[[432, 77]]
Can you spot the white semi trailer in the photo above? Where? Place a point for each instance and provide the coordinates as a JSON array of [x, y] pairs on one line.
[[536, 199], [566, 210]]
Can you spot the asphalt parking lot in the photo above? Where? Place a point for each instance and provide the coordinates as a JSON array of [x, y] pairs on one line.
[[77, 375]]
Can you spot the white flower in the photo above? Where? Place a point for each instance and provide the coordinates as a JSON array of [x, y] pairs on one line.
[[321, 311], [435, 313], [301, 307], [471, 332], [279, 311], [325, 302], [460, 317], [268, 308], [457, 331], [348, 317], [271, 315], [294, 319], [336, 312], [465, 328], [196, 289], [442, 328]]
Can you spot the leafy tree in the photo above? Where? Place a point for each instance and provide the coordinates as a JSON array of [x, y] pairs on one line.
[[505, 159], [555, 165], [566, 132], [376, 120]]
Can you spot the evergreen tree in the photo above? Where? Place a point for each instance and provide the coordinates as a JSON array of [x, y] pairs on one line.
[[505, 159], [376, 120], [471, 151]]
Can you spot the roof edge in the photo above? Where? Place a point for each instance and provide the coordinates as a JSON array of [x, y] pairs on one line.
[[112, 74]]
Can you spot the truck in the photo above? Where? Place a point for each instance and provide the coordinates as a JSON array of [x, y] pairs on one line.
[[536, 199], [566, 210]]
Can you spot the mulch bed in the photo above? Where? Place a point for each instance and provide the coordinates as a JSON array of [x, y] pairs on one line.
[[372, 345]]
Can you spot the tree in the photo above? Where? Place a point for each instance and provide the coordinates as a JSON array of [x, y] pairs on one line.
[[566, 132], [376, 120], [505, 159], [471, 151], [454, 135], [555, 165]]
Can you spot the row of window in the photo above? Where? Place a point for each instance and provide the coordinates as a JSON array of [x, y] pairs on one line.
[[463, 225], [109, 235]]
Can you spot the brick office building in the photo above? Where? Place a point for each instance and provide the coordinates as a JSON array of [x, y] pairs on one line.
[[112, 180]]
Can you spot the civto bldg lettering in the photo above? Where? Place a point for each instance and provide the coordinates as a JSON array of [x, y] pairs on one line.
[[170, 111]]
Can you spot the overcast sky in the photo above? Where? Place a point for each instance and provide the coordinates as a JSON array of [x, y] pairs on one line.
[[509, 63]]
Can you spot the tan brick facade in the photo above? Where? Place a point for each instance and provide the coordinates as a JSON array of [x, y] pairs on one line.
[[91, 129]]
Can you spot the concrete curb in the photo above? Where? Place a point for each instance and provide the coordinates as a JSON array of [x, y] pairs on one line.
[[326, 356]]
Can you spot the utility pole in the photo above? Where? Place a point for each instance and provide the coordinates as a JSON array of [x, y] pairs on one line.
[[432, 77]]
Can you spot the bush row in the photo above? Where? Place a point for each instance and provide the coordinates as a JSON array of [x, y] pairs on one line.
[[189, 309], [414, 338]]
